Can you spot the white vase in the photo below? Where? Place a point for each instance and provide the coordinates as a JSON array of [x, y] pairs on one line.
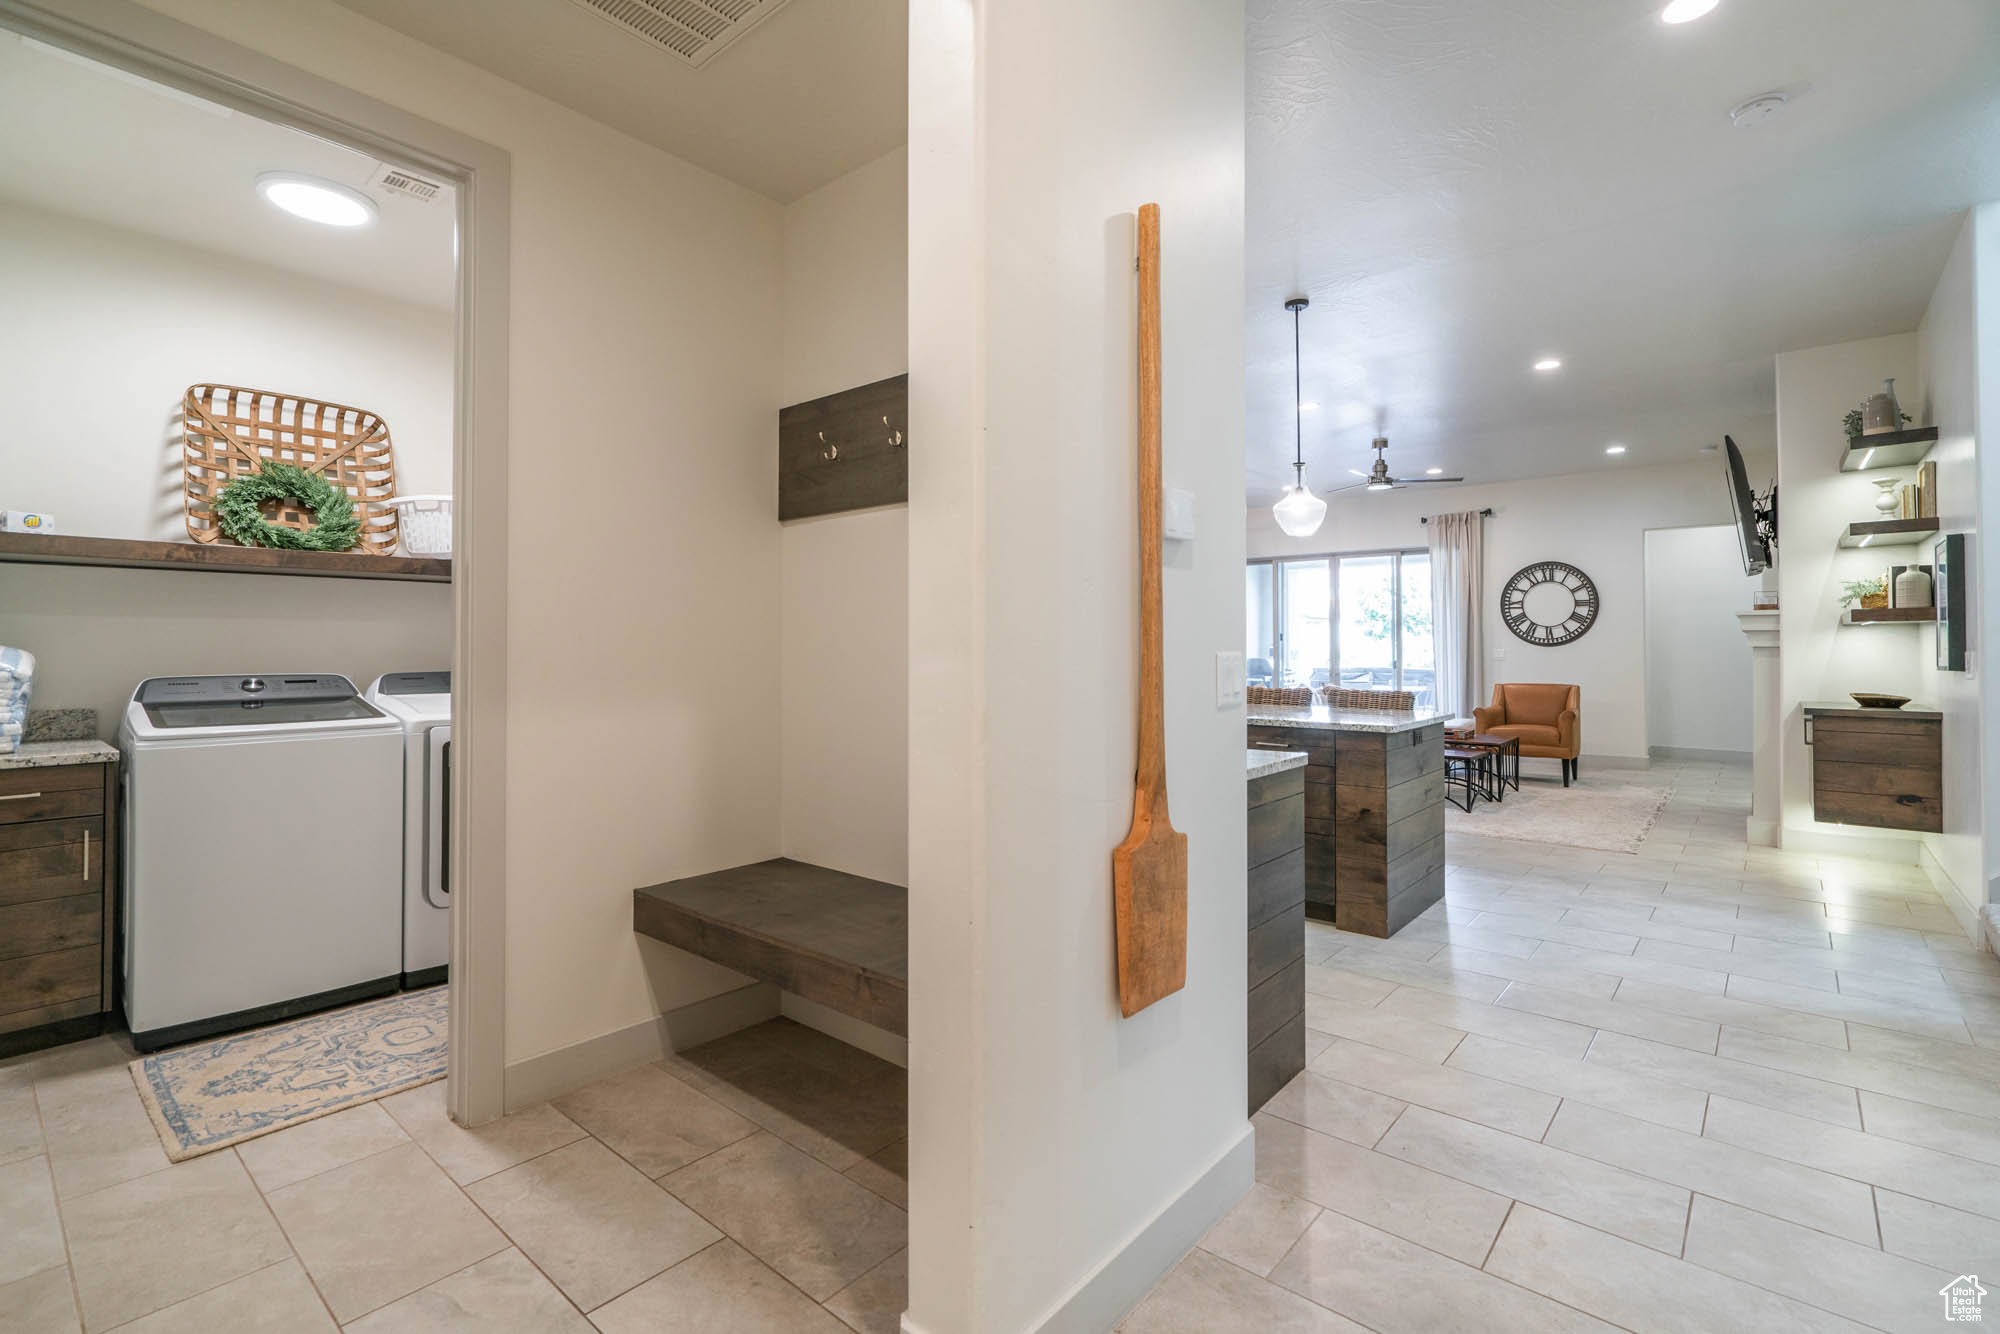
[[1886, 500], [1913, 588]]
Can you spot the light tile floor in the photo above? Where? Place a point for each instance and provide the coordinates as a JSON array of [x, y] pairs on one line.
[[752, 1184], [1705, 1087], [1700, 1088]]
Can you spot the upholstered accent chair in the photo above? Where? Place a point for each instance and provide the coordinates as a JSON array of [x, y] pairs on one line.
[[1546, 718]]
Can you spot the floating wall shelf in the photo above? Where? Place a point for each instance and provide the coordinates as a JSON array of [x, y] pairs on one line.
[[1888, 615], [1891, 449], [55, 549], [1889, 532]]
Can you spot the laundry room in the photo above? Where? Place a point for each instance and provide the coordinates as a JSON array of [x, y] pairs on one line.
[[226, 617]]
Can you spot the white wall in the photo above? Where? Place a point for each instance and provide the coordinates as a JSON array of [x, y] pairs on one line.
[[107, 328], [1062, 1157], [1949, 351], [1819, 658], [844, 616], [1593, 520], [1697, 660], [643, 585]]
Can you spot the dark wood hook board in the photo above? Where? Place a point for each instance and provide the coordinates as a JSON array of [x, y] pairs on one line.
[[847, 451]]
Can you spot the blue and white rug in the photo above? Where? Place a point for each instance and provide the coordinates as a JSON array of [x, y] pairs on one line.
[[209, 1095]]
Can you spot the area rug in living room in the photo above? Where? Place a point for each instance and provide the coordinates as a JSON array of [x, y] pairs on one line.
[[209, 1095], [1607, 811]]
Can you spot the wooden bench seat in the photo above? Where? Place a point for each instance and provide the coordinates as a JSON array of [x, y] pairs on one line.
[[834, 938]]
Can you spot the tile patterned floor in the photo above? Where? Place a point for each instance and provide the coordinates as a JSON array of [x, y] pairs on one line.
[[753, 1184], [1700, 1088], [1705, 1087]]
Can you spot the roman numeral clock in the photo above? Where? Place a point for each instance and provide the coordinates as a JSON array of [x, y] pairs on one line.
[[1549, 603]]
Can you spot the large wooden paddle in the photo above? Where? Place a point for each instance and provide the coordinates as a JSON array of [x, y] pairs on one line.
[[1149, 869]]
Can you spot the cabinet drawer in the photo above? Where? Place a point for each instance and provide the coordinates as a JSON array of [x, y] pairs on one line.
[[55, 793], [42, 980], [51, 859], [51, 924]]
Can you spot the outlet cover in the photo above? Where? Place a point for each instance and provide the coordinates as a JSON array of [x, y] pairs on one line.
[[1228, 680]]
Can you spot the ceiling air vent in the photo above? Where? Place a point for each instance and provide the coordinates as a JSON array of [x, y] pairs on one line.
[[404, 184], [694, 30]]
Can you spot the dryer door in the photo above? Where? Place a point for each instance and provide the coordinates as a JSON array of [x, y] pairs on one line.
[[437, 819]]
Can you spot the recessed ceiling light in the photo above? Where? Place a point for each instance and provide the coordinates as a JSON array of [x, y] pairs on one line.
[[1434, 472], [1711, 448], [1686, 11], [316, 200], [1614, 449], [1549, 364], [1308, 406], [1757, 110]]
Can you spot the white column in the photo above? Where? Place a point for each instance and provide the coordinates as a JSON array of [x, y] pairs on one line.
[[1766, 728]]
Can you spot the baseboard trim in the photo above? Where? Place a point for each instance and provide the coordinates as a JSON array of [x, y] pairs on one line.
[[1903, 851], [1989, 927], [846, 1028], [1696, 755], [1761, 833], [554, 1073], [1948, 890], [1117, 1284]]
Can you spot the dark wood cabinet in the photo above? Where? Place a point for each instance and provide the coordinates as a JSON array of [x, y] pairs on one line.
[[57, 904], [1277, 965], [1882, 768]]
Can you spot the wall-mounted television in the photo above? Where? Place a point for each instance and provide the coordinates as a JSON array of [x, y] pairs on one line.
[[1756, 520]]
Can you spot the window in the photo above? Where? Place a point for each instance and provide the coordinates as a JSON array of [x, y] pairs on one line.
[[1363, 619]]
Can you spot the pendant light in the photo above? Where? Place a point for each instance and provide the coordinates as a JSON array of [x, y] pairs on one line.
[[1299, 512]]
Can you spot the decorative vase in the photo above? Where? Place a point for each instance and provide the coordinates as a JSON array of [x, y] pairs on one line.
[[1886, 500], [1913, 588], [1882, 414]]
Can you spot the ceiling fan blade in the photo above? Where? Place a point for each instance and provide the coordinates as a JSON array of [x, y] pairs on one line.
[[1425, 481], [1336, 490]]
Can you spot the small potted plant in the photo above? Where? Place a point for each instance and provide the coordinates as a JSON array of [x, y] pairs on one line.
[[1870, 593]]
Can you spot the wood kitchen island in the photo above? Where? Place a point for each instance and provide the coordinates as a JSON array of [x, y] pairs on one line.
[[1374, 809]]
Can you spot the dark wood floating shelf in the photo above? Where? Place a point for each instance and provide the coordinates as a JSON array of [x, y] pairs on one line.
[[1888, 615], [55, 549], [1891, 449], [1889, 532]]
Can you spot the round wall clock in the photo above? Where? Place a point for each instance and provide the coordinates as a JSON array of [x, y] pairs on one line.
[[1549, 603]]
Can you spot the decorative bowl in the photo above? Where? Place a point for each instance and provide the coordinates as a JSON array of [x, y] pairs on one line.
[[1868, 701]]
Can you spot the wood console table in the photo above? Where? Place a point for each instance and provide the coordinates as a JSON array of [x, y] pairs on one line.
[[1374, 810]]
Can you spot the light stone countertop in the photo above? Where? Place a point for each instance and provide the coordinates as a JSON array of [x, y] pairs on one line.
[[1264, 763], [1325, 718], [52, 754]]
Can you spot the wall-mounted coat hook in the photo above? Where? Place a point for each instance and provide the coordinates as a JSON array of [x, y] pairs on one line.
[[895, 436], [831, 452], [845, 451]]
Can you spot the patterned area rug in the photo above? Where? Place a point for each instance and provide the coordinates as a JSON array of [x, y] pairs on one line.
[[1606, 811], [210, 1095]]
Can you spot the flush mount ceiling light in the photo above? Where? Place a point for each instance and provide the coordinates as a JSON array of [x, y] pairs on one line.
[[1308, 406], [316, 200], [1434, 472], [1549, 364], [1614, 449], [1686, 11], [1299, 512]]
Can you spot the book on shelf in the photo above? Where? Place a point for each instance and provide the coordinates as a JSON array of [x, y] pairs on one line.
[[1927, 489]]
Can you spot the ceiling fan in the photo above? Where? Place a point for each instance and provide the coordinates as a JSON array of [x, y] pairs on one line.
[[1378, 478]]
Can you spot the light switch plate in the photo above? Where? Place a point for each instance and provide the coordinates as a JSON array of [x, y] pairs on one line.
[[1177, 515], [1228, 680]]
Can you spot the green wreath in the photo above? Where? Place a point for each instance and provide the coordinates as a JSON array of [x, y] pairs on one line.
[[236, 509]]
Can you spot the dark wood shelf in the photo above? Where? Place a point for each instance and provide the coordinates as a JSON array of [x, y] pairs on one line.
[[1890, 532], [1888, 615], [57, 549], [1891, 449]]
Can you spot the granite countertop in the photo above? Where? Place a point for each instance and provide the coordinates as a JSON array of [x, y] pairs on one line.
[[1326, 718], [50, 754], [1849, 706], [1264, 763]]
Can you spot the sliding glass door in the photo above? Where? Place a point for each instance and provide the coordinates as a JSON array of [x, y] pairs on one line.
[[1362, 619]]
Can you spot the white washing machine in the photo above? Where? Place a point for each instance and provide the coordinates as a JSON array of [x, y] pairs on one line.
[[263, 851], [421, 701]]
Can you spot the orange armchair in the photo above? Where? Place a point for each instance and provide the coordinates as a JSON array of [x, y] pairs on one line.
[[1544, 717]]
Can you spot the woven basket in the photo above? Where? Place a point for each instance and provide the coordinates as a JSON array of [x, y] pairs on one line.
[[1342, 698], [230, 432]]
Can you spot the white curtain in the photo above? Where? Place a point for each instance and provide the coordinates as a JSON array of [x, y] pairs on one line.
[[1457, 592]]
